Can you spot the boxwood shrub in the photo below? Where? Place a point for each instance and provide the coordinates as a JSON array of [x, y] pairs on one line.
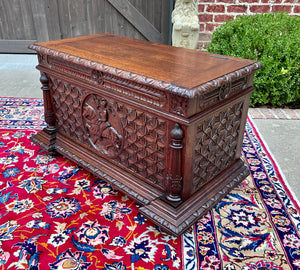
[[273, 39]]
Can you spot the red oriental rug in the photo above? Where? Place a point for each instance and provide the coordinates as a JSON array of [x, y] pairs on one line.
[[55, 215]]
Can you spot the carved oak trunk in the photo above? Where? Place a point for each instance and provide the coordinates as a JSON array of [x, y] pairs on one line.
[[162, 124]]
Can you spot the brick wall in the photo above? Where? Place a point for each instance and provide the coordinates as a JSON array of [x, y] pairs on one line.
[[212, 13]]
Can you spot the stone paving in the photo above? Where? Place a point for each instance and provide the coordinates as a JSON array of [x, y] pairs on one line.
[[274, 113]]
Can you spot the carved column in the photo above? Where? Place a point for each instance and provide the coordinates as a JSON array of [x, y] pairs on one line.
[[49, 135], [174, 179], [48, 107]]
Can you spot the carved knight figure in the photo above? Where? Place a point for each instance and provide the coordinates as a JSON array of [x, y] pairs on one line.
[[185, 24], [103, 134]]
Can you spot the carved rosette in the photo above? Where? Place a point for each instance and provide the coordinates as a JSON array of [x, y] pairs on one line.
[[178, 105], [224, 91], [42, 58], [97, 77], [103, 125]]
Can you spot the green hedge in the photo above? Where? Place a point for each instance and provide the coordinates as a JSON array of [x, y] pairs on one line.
[[273, 39]]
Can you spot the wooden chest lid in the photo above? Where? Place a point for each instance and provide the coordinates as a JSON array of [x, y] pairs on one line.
[[181, 71]]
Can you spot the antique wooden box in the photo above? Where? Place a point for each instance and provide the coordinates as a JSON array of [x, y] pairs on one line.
[[163, 124]]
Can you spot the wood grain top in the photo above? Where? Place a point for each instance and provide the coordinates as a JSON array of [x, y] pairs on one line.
[[185, 68]]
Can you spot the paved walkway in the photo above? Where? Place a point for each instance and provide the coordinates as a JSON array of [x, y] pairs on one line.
[[266, 113], [280, 129]]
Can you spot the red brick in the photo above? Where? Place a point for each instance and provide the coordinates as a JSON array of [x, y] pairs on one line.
[[206, 1], [255, 113], [215, 8], [272, 1], [267, 113], [223, 18], [297, 9], [201, 8], [274, 113], [297, 111], [210, 27], [291, 114], [205, 37], [225, 1], [260, 9], [237, 8], [289, 1], [201, 27], [281, 8], [202, 45], [205, 18], [279, 113], [248, 1]]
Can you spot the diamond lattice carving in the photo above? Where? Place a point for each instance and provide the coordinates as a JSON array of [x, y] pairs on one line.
[[143, 135], [216, 142], [67, 101], [145, 144]]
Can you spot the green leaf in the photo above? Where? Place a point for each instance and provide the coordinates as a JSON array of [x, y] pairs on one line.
[[272, 39]]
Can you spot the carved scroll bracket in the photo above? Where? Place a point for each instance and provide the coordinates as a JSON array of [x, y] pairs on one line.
[[174, 178]]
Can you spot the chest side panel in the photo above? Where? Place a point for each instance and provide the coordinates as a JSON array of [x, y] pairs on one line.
[[215, 143]]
